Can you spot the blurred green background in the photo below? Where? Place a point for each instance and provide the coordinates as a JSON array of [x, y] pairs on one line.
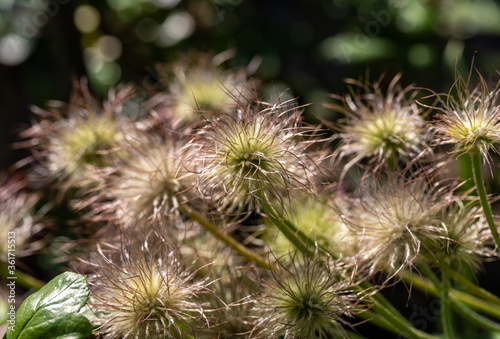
[[307, 47]]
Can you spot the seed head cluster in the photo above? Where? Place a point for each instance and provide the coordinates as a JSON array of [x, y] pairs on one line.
[[255, 154], [469, 120], [216, 215], [143, 290], [383, 128]]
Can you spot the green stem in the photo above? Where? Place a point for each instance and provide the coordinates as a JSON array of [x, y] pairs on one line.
[[481, 191], [466, 312], [465, 298], [474, 317], [376, 319], [225, 238], [473, 288], [21, 278], [445, 306]]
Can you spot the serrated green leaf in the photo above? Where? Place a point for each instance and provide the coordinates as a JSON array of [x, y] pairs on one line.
[[53, 310]]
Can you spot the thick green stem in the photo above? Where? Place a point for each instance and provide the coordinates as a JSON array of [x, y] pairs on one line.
[[376, 319], [21, 278], [474, 318], [465, 298], [225, 238], [473, 288], [481, 191], [445, 306], [458, 306]]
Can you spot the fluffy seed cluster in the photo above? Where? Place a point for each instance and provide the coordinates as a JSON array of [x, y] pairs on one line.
[[466, 238], [384, 128], [306, 299], [143, 290], [470, 120], [74, 141], [204, 87], [393, 219], [153, 181], [257, 153], [17, 220]]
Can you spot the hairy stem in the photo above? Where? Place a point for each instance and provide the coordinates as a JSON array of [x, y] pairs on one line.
[[475, 303], [481, 191], [445, 306], [225, 238]]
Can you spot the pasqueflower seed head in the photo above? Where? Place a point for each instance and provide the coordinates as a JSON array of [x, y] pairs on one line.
[[18, 222], [256, 153], [203, 86], [72, 142], [470, 120], [383, 128], [306, 299], [393, 219], [153, 180], [465, 238], [143, 290]]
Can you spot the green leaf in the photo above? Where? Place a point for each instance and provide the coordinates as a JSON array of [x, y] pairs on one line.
[[47, 324], [52, 312]]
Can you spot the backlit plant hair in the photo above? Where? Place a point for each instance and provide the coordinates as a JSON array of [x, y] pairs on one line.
[[468, 117], [141, 289], [305, 298], [394, 216], [153, 180], [384, 128], [259, 153], [199, 85], [74, 142]]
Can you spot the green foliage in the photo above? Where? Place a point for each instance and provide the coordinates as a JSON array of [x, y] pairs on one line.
[[52, 312]]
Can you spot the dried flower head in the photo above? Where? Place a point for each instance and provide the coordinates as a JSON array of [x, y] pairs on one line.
[[384, 128], [256, 153], [18, 221], [393, 219], [465, 238], [73, 142], [143, 290], [153, 181], [306, 299], [470, 120], [235, 310], [203, 86]]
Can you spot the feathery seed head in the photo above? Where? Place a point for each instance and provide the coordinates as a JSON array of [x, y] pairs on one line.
[[17, 219], [393, 219], [74, 141], [306, 299], [143, 290], [153, 181], [385, 128], [205, 87], [320, 218], [471, 120], [465, 238], [257, 153]]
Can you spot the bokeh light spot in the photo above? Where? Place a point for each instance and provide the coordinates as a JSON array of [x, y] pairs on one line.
[[14, 49], [178, 26], [87, 18]]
